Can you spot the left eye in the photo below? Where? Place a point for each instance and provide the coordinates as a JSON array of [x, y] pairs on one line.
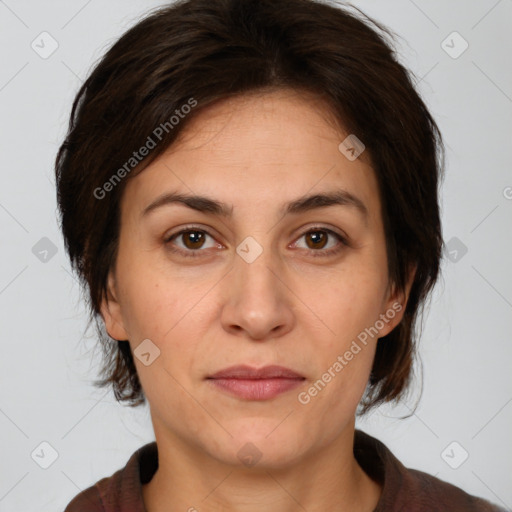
[[318, 239]]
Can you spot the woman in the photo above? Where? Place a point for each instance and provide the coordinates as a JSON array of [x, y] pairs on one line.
[[248, 191]]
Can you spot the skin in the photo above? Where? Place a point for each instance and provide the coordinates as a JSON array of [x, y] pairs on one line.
[[288, 307]]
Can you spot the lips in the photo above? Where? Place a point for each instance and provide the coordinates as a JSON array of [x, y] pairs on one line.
[[256, 384], [246, 372]]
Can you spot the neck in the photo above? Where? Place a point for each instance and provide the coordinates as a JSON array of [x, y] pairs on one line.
[[329, 478]]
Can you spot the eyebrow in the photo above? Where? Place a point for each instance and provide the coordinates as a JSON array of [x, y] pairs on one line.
[[305, 203]]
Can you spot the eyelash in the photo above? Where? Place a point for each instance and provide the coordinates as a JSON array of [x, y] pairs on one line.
[[314, 252]]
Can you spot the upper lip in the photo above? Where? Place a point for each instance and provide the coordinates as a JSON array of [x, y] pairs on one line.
[[247, 372]]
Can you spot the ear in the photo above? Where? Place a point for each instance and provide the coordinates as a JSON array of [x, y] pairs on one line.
[[111, 312], [395, 304]]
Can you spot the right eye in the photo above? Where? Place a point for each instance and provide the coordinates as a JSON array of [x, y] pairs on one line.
[[192, 240]]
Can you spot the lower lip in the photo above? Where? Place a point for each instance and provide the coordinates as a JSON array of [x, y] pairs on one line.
[[257, 389]]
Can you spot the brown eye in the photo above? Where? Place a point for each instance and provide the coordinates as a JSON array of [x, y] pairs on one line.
[[316, 239], [193, 239], [321, 242], [191, 242]]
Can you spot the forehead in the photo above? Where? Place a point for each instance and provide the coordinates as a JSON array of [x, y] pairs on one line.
[[260, 149]]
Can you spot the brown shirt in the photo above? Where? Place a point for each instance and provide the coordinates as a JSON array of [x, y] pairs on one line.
[[404, 490]]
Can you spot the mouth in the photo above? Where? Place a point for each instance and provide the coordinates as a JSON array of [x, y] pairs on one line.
[[256, 384]]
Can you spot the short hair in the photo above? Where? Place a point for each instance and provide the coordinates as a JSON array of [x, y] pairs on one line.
[[197, 52]]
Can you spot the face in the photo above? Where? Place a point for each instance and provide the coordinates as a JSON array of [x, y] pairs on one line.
[[274, 280]]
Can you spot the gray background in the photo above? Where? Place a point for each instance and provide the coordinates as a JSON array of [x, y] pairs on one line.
[[47, 365]]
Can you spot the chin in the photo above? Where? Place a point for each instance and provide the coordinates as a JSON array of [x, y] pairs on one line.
[[260, 445]]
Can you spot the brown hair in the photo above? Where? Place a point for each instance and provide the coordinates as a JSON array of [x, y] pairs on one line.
[[204, 51]]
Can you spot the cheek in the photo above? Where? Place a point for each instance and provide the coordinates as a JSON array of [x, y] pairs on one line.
[[171, 311], [152, 304], [155, 293], [349, 303]]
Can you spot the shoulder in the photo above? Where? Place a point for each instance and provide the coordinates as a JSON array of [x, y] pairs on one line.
[[88, 500], [109, 494], [433, 492], [122, 490], [410, 489]]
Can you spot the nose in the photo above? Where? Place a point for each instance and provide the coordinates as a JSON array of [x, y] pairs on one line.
[[257, 302]]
